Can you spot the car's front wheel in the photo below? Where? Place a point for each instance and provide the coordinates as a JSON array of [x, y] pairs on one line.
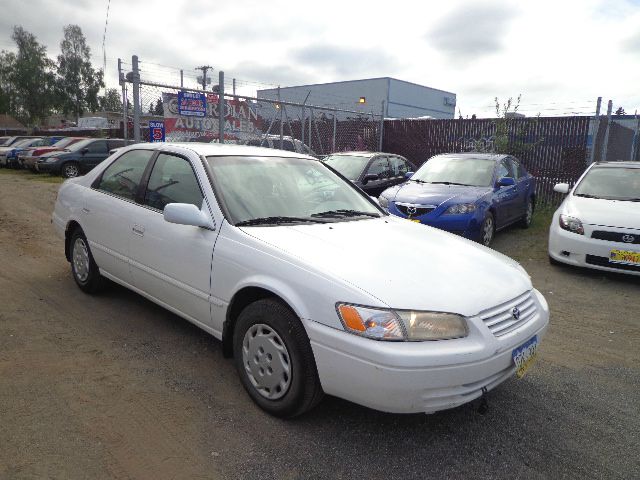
[[274, 359], [83, 267], [487, 229], [70, 170]]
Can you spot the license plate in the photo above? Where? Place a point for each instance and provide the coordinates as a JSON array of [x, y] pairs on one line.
[[624, 256], [525, 355], [413, 220]]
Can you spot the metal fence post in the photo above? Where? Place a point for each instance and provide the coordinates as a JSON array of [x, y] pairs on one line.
[[381, 133], [281, 126], [135, 77], [335, 127], [181, 78], [123, 84], [605, 145], [596, 128], [221, 107], [310, 126], [635, 146]]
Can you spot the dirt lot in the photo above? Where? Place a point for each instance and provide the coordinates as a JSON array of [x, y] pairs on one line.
[[112, 386]]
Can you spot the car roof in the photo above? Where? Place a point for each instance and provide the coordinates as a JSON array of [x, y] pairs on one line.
[[623, 164], [217, 149], [361, 153]]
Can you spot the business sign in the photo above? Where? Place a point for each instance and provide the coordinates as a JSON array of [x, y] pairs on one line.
[[240, 120], [192, 104], [156, 131]]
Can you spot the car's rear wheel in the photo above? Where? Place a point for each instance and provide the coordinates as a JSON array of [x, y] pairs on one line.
[[487, 229], [274, 359], [84, 269], [70, 170], [528, 215]]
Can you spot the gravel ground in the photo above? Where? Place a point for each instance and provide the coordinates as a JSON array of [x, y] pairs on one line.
[[112, 386]]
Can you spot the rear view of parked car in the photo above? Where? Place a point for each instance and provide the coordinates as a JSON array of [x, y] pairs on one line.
[[598, 223], [78, 158], [373, 172], [469, 194], [297, 272]]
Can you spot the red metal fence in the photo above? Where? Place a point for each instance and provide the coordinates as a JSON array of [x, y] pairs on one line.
[[553, 149]]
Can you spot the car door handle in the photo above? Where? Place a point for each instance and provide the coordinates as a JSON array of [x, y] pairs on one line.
[[138, 230]]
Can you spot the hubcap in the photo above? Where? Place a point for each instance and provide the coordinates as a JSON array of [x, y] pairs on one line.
[[71, 170], [266, 361], [81, 260], [487, 231]]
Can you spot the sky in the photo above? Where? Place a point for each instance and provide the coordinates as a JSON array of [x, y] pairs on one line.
[[560, 55]]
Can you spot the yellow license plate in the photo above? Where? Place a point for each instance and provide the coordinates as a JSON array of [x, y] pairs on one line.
[[413, 220], [624, 256], [525, 355]]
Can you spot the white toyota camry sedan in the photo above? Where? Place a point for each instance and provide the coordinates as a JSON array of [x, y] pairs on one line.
[[598, 223], [308, 283]]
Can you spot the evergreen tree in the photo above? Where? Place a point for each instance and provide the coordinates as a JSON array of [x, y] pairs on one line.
[[111, 101], [159, 108]]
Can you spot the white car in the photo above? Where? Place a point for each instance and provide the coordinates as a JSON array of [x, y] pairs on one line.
[[307, 282], [598, 223]]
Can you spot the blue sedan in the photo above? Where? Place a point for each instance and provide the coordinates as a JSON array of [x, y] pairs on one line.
[[469, 194]]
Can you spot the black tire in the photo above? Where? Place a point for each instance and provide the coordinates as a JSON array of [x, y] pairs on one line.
[[70, 170], [487, 229], [84, 270], [553, 261], [525, 222], [303, 391]]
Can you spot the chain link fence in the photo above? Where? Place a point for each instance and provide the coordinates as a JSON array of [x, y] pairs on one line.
[[193, 115]]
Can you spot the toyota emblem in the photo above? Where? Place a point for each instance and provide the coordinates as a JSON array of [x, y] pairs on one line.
[[515, 313], [628, 238]]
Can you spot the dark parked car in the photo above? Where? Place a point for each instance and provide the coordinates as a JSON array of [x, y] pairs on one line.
[[78, 158], [470, 194], [374, 172]]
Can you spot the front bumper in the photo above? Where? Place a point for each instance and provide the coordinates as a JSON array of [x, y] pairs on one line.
[[465, 225], [414, 377], [584, 251], [52, 167]]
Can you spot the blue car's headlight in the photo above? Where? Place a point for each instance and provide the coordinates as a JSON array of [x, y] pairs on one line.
[[460, 208]]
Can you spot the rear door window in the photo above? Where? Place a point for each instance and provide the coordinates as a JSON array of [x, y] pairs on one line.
[[399, 166], [123, 176], [99, 146]]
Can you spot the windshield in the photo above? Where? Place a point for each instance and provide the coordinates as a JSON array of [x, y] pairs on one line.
[[272, 190], [350, 166], [611, 183], [79, 145], [25, 142], [474, 171]]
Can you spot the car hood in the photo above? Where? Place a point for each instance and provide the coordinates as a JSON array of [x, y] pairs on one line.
[[608, 213], [402, 264], [4, 150], [435, 194]]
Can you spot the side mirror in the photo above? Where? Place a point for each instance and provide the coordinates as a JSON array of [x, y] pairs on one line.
[[186, 214], [84, 150], [561, 188], [408, 175], [506, 182], [370, 177]]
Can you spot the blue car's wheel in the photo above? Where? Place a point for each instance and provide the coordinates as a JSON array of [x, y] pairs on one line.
[[528, 215], [487, 229]]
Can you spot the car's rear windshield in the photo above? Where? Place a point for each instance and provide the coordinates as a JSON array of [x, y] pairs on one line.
[[611, 183], [303, 190], [351, 166], [473, 171]]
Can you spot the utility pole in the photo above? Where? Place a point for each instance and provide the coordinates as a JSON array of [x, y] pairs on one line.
[[596, 128], [204, 69]]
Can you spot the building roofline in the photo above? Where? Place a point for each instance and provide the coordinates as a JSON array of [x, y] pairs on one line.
[[356, 80]]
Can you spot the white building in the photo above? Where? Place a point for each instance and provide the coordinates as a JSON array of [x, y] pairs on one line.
[[401, 99]]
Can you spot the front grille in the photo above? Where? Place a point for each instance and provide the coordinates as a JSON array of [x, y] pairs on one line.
[[501, 320], [416, 210], [621, 237], [604, 262]]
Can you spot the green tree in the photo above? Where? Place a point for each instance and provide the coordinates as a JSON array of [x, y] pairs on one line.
[[111, 101], [79, 84], [159, 108], [620, 111], [511, 132], [32, 78], [7, 66]]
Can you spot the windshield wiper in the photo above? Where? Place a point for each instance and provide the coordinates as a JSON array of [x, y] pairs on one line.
[[585, 195], [417, 180], [276, 220], [454, 183], [344, 213]]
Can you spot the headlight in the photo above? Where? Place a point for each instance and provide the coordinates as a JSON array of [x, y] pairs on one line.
[[460, 209], [571, 224], [395, 325], [384, 202], [50, 159]]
